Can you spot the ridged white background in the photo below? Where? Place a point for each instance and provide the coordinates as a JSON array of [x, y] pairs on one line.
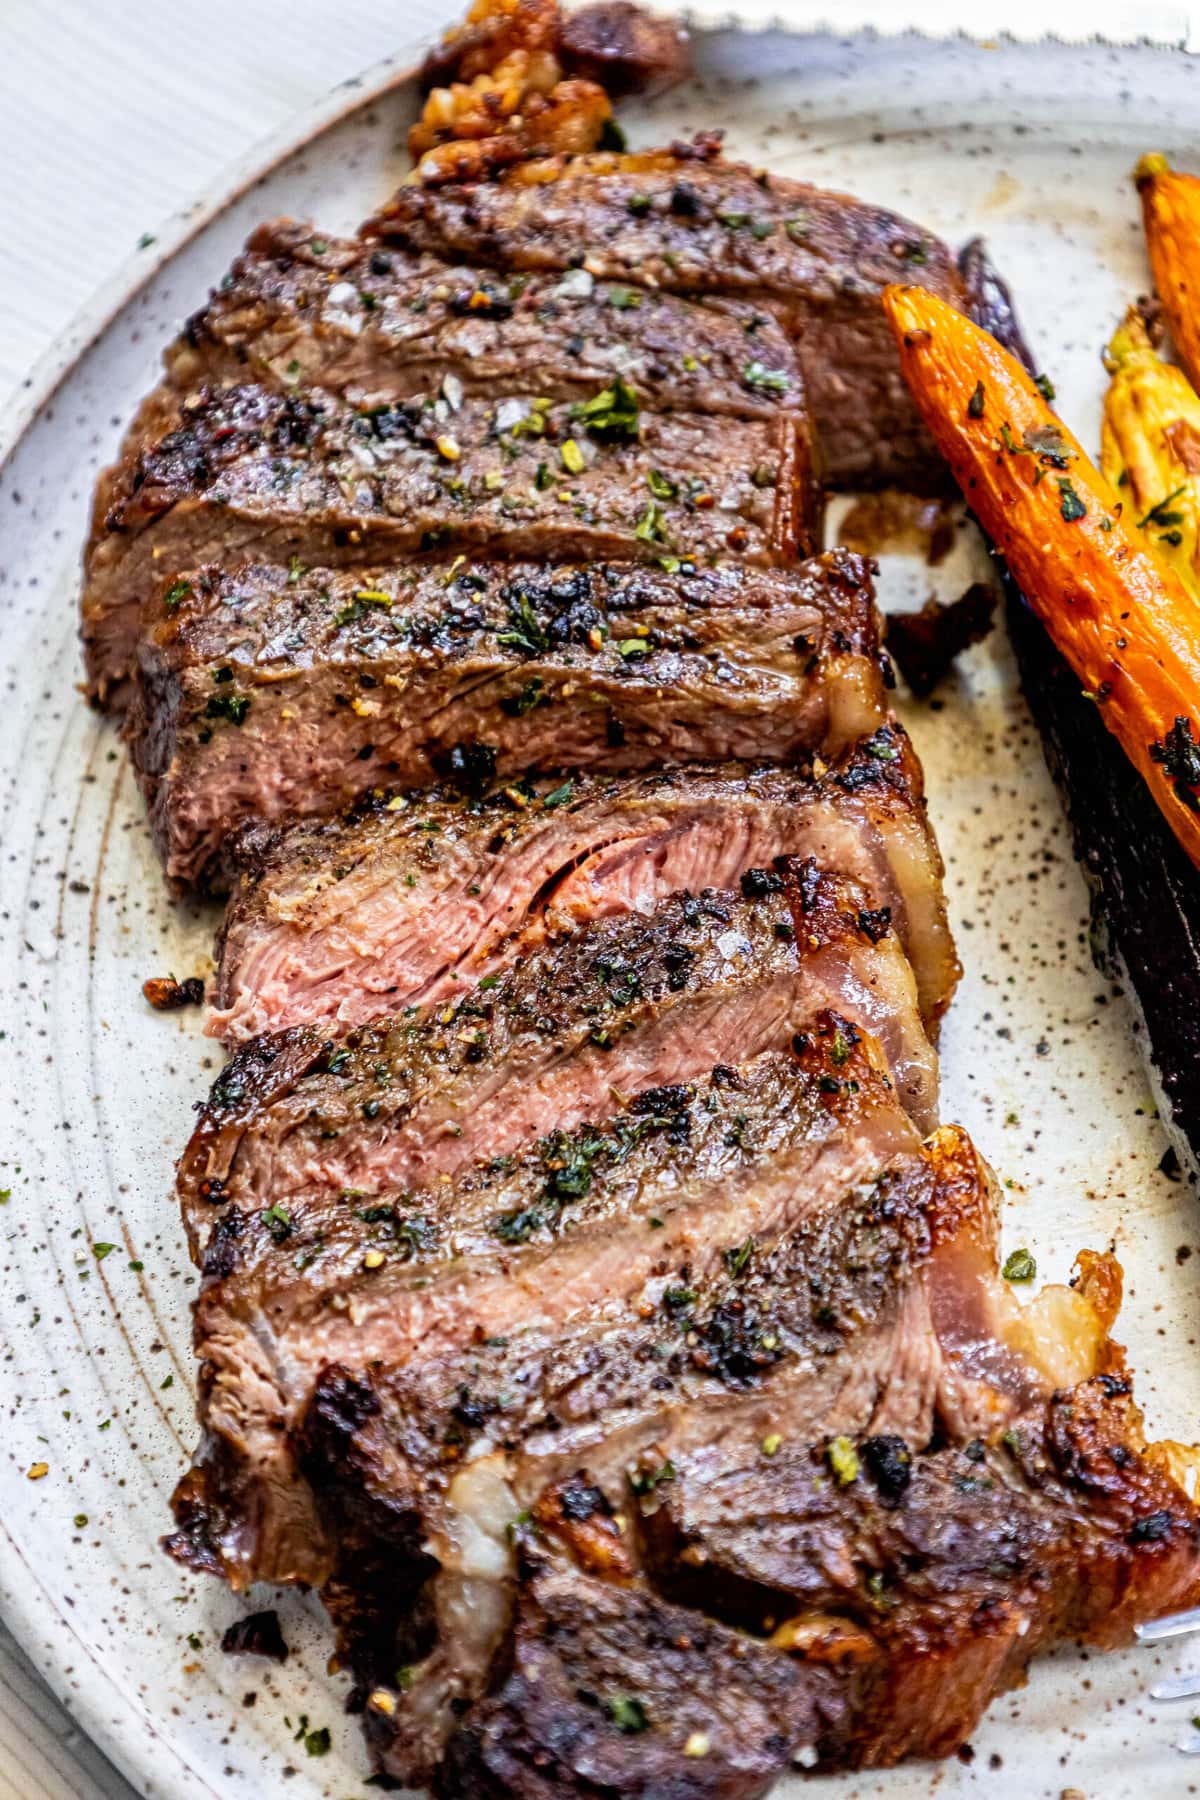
[[114, 118]]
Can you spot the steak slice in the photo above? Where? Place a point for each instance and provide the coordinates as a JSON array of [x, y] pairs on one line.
[[377, 326], [265, 694], [256, 475], [623, 1005], [418, 897], [685, 225], [610, 1690], [552, 1260]]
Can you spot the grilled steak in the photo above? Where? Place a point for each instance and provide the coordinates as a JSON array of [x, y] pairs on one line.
[[880, 1473], [623, 1005], [416, 897], [256, 474], [941, 1599], [528, 1256], [378, 326], [267, 694], [819, 260]]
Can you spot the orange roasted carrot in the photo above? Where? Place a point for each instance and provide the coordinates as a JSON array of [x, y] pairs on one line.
[[1171, 216], [1126, 624]]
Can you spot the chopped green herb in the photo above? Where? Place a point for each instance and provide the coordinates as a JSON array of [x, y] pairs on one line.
[[558, 797], [100, 1251], [1179, 754], [1072, 507], [1020, 1266], [278, 1223], [178, 590], [525, 630], [757, 376], [233, 707], [651, 527], [623, 298], [644, 1481], [572, 457], [613, 412], [1044, 386], [661, 486], [975, 403], [627, 1714], [1158, 514], [736, 1259]]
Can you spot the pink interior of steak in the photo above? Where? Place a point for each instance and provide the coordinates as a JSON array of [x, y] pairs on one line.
[[425, 906]]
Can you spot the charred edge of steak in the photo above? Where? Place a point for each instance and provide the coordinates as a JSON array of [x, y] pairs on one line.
[[259, 617], [567, 1180], [416, 1288], [901, 1558], [725, 224], [606, 1690], [467, 671]]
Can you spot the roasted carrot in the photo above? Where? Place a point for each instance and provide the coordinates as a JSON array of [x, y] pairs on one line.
[[1124, 621], [1171, 217]]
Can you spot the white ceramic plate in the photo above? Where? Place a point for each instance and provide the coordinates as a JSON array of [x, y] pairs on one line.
[[1032, 146]]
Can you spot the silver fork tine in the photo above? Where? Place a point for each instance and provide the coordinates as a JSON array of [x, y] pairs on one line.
[[1178, 1687], [1175, 1625], [1190, 1746]]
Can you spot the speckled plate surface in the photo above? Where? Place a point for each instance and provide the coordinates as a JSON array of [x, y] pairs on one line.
[[1032, 146]]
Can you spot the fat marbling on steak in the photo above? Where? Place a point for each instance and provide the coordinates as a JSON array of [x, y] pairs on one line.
[[417, 897], [254, 474], [268, 694], [622, 1005]]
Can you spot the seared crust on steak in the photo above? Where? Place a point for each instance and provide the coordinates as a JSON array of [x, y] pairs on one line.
[[819, 260], [414, 898], [252, 473], [263, 693], [373, 324]]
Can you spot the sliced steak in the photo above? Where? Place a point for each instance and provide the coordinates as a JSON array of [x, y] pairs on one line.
[[253, 474], [623, 1005], [915, 1610], [685, 225], [938, 1575], [377, 326], [268, 695], [417, 897], [878, 1510], [552, 1260]]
